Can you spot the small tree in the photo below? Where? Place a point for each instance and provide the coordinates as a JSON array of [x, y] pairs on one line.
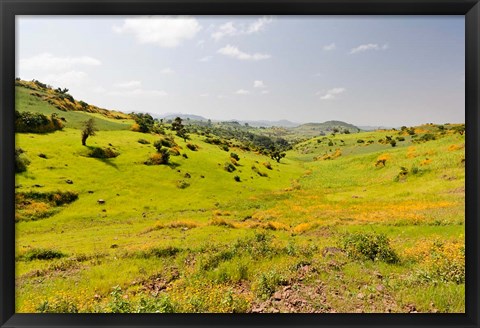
[[178, 126], [89, 129], [277, 155]]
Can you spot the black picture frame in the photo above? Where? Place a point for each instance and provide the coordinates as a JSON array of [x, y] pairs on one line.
[[10, 8]]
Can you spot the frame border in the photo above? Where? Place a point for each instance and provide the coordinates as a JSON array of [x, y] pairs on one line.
[[10, 8]]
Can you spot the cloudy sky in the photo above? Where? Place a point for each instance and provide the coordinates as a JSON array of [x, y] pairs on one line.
[[363, 70]]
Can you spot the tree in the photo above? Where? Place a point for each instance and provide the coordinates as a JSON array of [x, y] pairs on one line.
[[277, 155], [178, 126], [89, 129]]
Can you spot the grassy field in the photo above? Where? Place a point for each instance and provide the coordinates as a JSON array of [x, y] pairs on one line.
[[323, 230]]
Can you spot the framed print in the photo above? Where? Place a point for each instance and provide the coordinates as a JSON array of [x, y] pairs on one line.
[[253, 163]]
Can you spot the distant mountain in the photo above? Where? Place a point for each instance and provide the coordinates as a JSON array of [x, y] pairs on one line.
[[325, 127], [172, 116], [265, 123], [373, 128]]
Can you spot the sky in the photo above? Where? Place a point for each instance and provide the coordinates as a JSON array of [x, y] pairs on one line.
[[364, 70]]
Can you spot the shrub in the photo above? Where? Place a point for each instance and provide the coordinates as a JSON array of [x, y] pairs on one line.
[[267, 284], [159, 158], [225, 148], [237, 178], [229, 167], [42, 254], [174, 151], [234, 156], [143, 141], [256, 170], [21, 161], [36, 122], [192, 147], [400, 138], [393, 143], [168, 142], [402, 175], [182, 184], [369, 246], [267, 165], [360, 141], [98, 152]]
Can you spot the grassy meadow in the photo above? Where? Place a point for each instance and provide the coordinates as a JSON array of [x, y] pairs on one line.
[[342, 223]]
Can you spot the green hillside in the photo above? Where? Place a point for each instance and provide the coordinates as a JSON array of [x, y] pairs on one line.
[[341, 223], [34, 98]]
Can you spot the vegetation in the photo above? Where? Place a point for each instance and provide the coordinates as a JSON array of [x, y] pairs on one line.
[[89, 129], [333, 226]]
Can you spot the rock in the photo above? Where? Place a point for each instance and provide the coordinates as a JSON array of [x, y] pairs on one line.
[[101, 201], [69, 181], [287, 288], [360, 296], [380, 288], [277, 296], [275, 311]]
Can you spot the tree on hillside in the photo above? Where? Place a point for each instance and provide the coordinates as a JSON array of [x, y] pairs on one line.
[[178, 126], [277, 155], [89, 129]]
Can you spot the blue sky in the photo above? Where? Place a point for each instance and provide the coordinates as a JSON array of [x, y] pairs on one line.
[[365, 70]]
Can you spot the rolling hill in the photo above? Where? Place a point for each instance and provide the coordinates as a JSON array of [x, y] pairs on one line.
[[342, 222]]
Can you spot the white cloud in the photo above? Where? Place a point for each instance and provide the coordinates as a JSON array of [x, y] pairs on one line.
[[331, 94], [49, 62], [264, 92], [204, 95], [234, 52], [164, 31], [330, 47], [201, 43], [128, 84], [67, 79], [259, 84], [167, 70], [227, 29], [205, 59], [242, 92], [232, 29], [259, 24], [367, 47]]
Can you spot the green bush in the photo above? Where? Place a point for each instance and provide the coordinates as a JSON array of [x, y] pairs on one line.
[[229, 167], [267, 284], [143, 141], [98, 152], [41, 254], [182, 184], [36, 122], [168, 142], [192, 147], [369, 246], [21, 161], [234, 156]]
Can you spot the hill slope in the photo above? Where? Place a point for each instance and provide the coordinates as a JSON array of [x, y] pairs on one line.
[[36, 97], [197, 235]]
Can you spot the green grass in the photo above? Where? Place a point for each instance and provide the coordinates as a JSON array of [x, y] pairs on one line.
[[219, 245], [24, 102]]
